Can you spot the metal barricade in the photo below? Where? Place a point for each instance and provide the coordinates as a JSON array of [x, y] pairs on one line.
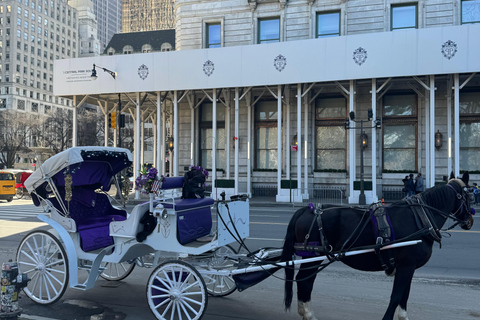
[[392, 194], [332, 195], [264, 190]]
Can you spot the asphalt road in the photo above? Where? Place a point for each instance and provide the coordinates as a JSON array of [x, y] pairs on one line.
[[448, 287]]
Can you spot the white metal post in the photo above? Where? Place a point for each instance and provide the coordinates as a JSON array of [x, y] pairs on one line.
[[449, 125], [175, 136], [136, 164], [305, 147], [159, 130], [431, 134], [75, 126], [249, 143], [456, 124], [237, 145], [279, 138], [214, 139], [374, 141], [299, 139], [352, 144], [105, 111]]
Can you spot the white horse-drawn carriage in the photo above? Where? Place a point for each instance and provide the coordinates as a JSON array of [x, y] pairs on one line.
[[89, 233], [185, 241]]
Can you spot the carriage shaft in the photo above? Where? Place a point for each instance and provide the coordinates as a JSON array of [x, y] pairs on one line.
[[315, 259]]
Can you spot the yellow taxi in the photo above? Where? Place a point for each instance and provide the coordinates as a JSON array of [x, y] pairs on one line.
[[7, 185]]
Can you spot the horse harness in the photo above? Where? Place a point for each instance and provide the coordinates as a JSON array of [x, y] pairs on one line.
[[423, 217], [383, 233]]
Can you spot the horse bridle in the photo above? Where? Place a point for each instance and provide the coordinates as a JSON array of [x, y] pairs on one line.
[[464, 196]]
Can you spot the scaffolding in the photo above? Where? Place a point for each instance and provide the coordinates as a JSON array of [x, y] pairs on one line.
[[148, 15]]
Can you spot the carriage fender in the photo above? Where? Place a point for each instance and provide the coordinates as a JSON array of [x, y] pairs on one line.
[[68, 245]]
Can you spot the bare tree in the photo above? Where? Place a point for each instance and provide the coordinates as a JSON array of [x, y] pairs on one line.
[[57, 131], [90, 127], [16, 133]]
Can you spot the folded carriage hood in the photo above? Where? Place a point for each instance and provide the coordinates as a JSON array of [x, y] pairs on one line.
[[71, 156]]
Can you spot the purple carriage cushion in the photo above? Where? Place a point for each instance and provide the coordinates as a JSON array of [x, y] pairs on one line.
[[187, 204], [194, 218], [172, 182], [193, 224]]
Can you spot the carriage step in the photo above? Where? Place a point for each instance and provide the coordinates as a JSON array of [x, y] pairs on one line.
[[80, 287]]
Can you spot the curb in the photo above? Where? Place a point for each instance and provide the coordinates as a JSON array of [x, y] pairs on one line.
[[29, 317]]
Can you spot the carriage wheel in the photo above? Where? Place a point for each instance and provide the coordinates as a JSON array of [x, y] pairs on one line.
[[19, 193], [175, 290], [218, 285], [116, 271], [42, 257]]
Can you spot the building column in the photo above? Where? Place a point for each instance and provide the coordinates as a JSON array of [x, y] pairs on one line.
[[305, 147], [449, 125]]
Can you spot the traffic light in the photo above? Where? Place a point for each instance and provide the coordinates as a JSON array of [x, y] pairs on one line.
[[112, 120], [347, 124], [370, 114], [121, 122]]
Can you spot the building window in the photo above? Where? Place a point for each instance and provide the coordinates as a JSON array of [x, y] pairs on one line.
[[404, 16], [328, 24], [166, 47], [470, 11], [206, 132], [266, 152], [127, 50], [469, 130], [400, 133], [111, 51], [213, 35], [146, 48], [330, 153], [21, 104], [34, 107], [269, 30]]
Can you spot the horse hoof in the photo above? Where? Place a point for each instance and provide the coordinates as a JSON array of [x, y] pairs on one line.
[[305, 311], [402, 314]]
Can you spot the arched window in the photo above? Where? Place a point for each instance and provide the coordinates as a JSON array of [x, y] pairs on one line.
[[166, 47], [128, 49], [111, 51], [146, 48]]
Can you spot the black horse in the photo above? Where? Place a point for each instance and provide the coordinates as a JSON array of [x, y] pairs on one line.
[[345, 228]]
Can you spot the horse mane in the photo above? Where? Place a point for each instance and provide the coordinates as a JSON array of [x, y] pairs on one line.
[[437, 196]]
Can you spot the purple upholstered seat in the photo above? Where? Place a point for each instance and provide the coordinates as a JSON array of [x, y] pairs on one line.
[[194, 218], [92, 213]]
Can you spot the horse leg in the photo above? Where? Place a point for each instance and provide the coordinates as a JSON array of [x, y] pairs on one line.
[[400, 292], [402, 307], [305, 279]]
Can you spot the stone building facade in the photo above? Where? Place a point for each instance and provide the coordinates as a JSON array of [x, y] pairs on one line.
[[402, 105]]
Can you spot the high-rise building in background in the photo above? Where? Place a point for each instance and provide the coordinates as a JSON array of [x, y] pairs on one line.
[[148, 15], [31, 38], [109, 19], [87, 28]]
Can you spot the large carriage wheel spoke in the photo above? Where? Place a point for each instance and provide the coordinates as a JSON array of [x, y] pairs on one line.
[[42, 257], [176, 291]]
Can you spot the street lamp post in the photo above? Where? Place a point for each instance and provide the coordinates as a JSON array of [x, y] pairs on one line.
[[363, 146]]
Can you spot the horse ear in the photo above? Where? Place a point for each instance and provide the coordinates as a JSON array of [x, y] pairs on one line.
[[465, 177], [452, 176]]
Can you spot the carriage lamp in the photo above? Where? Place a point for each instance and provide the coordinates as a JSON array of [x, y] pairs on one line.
[[94, 72], [438, 140], [364, 140]]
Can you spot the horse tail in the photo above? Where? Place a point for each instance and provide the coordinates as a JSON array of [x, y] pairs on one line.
[[287, 254]]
